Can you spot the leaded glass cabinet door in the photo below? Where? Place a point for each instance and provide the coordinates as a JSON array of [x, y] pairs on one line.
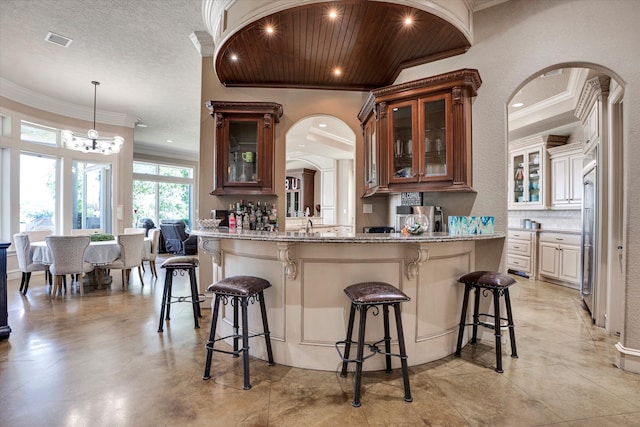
[[436, 138], [243, 151], [404, 165]]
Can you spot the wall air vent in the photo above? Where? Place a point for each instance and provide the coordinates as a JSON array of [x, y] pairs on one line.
[[58, 39]]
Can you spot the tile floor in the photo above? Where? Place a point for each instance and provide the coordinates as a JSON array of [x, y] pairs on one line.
[[98, 361]]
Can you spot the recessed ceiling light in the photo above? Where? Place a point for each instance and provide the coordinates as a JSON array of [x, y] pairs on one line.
[[408, 20], [169, 141], [269, 29], [234, 57], [333, 14], [337, 71], [517, 105], [322, 125], [141, 125]]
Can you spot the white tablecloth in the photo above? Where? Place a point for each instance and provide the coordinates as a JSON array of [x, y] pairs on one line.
[[98, 253]]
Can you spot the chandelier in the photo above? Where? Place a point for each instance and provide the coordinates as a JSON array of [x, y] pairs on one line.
[[92, 143]]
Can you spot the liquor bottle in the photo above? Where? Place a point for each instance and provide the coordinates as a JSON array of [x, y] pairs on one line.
[[232, 221]]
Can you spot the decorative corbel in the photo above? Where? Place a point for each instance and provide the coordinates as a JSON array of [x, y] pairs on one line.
[[211, 245], [267, 121], [219, 120], [422, 255], [284, 256]]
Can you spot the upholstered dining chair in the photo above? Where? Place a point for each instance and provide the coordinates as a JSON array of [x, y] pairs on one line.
[[154, 233], [130, 256], [25, 260], [134, 230], [68, 258], [86, 231]]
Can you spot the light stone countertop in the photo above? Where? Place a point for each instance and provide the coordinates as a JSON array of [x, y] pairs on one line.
[[240, 234]]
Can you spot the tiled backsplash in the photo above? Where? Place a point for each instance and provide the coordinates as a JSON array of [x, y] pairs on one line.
[[569, 220]]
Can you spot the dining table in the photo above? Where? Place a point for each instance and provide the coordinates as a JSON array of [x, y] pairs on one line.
[[99, 254]]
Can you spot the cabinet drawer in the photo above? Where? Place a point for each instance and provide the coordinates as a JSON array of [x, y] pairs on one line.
[[519, 263], [561, 238], [520, 235], [519, 247]]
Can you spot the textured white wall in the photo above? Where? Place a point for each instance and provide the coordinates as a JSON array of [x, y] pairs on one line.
[[514, 41]]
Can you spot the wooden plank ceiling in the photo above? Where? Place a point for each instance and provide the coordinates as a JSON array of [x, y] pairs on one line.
[[368, 41]]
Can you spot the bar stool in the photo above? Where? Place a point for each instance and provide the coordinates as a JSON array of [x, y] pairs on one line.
[[241, 290], [180, 265], [498, 284], [365, 296]]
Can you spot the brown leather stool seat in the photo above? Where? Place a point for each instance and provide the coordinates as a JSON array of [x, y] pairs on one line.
[[498, 284], [364, 296], [241, 290], [178, 265]]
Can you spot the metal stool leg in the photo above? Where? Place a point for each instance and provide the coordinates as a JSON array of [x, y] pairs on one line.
[[347, 346], [512, 333], [245, 342], [236, 328], [403, 354], [166, 296], [212, 337], [476, 314], [194, 298], [359, 357], [463, 318], [387, 336], [498, 334], [265, 328]]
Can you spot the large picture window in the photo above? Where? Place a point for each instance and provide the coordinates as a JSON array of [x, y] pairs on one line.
[[92, 196], [38, 192], [162, 192]]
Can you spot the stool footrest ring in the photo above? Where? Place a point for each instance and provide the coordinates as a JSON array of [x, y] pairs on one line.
[[187, 298], [372, 348]]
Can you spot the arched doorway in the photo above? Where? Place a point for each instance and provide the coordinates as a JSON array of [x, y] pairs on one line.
[[551, 102], [321, 150]]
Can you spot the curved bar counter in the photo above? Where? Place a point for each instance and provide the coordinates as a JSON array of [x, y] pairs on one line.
[[307, 308]]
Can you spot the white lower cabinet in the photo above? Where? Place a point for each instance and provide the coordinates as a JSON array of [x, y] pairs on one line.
[[521, 252], [559, 258]]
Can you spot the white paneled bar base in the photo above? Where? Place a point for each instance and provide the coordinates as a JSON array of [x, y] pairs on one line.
[[307, 308]]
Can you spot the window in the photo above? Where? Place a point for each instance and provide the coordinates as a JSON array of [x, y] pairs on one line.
[[39, 134], [162, 191], [38, 192], [92, 196]]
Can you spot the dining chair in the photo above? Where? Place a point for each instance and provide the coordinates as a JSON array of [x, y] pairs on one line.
[[86, 231], [130, 256], [68, 258], [134, 230], [25, 261], [155, 243]]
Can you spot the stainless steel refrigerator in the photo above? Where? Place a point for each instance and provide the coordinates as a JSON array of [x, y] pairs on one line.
[[588, 285]]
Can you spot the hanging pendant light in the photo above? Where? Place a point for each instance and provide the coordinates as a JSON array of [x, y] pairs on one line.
[[92, 143]]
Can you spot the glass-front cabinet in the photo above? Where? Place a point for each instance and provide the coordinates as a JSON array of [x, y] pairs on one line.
[[421, 149], [529, 171], [244, 153], [424, 134], [527, 185]]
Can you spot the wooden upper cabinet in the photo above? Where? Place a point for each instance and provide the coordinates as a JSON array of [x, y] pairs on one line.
[[244, 147], [423, 134]]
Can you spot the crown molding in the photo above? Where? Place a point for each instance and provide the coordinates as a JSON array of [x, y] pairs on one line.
[[25, 96]]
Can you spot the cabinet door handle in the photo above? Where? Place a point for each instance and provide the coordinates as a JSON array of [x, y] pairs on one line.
[[559, 238], [516, 247]]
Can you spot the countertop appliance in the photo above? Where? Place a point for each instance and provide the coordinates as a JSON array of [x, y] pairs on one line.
[[588, 281], [433, 213]]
